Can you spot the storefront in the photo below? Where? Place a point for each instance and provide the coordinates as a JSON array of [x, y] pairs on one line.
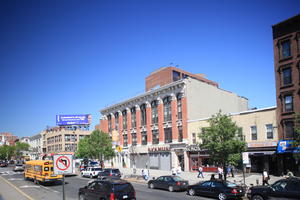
[[160, 158], [199, 157]]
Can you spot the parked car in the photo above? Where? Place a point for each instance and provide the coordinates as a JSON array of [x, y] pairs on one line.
[[18, 168], [288, 189], [3, 164], [104, 189], [91, 172], [170, 183], [220, 189], [109, 172]]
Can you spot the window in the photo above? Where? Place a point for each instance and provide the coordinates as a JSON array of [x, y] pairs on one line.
[[154, 112], [194, 138], [134, 140], [109, 123], [285, 48], [133, 117], [289, 129], [117, 121], [179, 106], [180, 136], [167, 109], [124, 113], [240, 135], [253, 133], [155, 138], [144, 137], [143, 115], [125, 137], [269, 129], [168, 135], [286, 76], [176, 76], [288, 103]]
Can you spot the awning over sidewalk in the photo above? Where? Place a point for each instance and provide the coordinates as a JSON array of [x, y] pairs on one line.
[[261, 153]]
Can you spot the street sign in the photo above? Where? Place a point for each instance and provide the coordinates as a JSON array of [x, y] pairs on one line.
[[246, 158], [63, 164], [119, 149]]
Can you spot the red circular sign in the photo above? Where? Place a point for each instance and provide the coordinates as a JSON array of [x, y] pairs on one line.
[[64, 160]]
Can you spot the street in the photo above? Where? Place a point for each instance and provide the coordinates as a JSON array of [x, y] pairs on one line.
[[50, 192]]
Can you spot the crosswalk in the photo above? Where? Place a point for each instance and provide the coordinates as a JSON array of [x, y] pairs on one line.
[[6, 173]]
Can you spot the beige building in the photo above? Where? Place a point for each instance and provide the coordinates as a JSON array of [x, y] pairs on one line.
[[257, 127], [62, 140]]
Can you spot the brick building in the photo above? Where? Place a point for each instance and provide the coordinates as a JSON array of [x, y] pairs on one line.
[[8, 139], [286, 41], [152, 128]]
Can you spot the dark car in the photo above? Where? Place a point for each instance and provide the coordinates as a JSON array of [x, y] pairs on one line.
[[288, 189], [170, 183], [109, 172], [217, 189], [104, 189], [3, 164]]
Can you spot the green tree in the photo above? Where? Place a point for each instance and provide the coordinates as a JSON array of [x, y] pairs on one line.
[[6, 152], [221, 140], [19, 147], [97, 145]]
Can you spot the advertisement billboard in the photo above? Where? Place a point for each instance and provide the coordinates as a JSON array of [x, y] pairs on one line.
[[64, 120], [286, 146]]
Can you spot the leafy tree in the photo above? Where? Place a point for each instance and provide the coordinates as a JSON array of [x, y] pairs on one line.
[[6, 152], [220, 140], [296, 142], [97, 145], [19, 147]]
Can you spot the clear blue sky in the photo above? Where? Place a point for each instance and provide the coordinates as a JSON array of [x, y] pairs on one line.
[[76, 57]]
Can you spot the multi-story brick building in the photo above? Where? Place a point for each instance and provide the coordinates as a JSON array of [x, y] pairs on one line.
[[8, 139], [286, 41], [152, 127]]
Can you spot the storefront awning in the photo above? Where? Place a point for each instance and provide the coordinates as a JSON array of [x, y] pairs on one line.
[[261, 153]]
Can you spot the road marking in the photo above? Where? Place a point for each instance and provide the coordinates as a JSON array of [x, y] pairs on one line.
[[49, 189], [29, 186], [15, 179], [12, 185]]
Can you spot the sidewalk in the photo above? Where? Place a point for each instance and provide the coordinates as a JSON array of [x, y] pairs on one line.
[[8, 192], [252, 178]]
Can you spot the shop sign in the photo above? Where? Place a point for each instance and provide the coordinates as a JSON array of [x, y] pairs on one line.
[[286, 146], [153, 149], [193, 148], [245, 158], [262, 144]]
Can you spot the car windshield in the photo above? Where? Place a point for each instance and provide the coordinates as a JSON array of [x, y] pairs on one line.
[[96, 169], [177, 178], [230, 184], [115, 171]]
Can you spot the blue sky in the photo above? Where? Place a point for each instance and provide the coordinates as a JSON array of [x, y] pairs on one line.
[[76, 57]]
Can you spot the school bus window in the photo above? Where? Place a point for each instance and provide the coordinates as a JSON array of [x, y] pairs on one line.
[[37, 168], [46, 169]]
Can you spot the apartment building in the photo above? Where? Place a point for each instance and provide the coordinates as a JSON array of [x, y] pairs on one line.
[[256, 127], [152, 128], [286, 43], [8, 138], [62, 139]]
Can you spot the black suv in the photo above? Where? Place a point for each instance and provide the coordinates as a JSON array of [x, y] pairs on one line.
[[109, 173], [104, 189], [288, 189]]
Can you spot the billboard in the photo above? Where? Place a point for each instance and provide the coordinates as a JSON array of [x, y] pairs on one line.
[[64, 120], [286, 146]]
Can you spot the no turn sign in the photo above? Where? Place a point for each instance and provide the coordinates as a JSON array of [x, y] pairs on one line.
[[63, 164]]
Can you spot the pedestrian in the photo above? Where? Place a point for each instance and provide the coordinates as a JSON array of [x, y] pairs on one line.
[[232, 171], [220, 172], [289, 174], [178, 170], [173, 171], [200, 170], [228, 171], [265, 177], [146, 174], [212, 177]]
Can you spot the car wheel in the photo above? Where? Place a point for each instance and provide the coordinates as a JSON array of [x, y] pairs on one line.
[[222, 196], [257, 197], [35, 181], [81, 174], [192, 192], [151, 185], [171, 188], [81, 197]]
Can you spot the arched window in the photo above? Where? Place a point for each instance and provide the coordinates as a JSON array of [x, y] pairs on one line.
[[154, 112], [179, 105], [124, 113], [117, 120], [133, 117], [143, 115], [167, 109]]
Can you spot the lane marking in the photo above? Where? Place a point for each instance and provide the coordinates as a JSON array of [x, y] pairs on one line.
[[20, 191], [49, 189], [29, 186]]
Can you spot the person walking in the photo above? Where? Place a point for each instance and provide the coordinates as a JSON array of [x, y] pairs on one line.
[[220, 172], [200, 170], [265, 177], [174, 171]]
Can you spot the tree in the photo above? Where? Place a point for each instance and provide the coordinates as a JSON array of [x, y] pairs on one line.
[[19, 147], [97, 145], [6, 152], [220, 140]]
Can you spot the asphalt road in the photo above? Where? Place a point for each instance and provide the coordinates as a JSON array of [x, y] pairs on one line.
[[50, 192]]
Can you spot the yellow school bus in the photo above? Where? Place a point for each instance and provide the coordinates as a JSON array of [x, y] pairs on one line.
[[40, 171]]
